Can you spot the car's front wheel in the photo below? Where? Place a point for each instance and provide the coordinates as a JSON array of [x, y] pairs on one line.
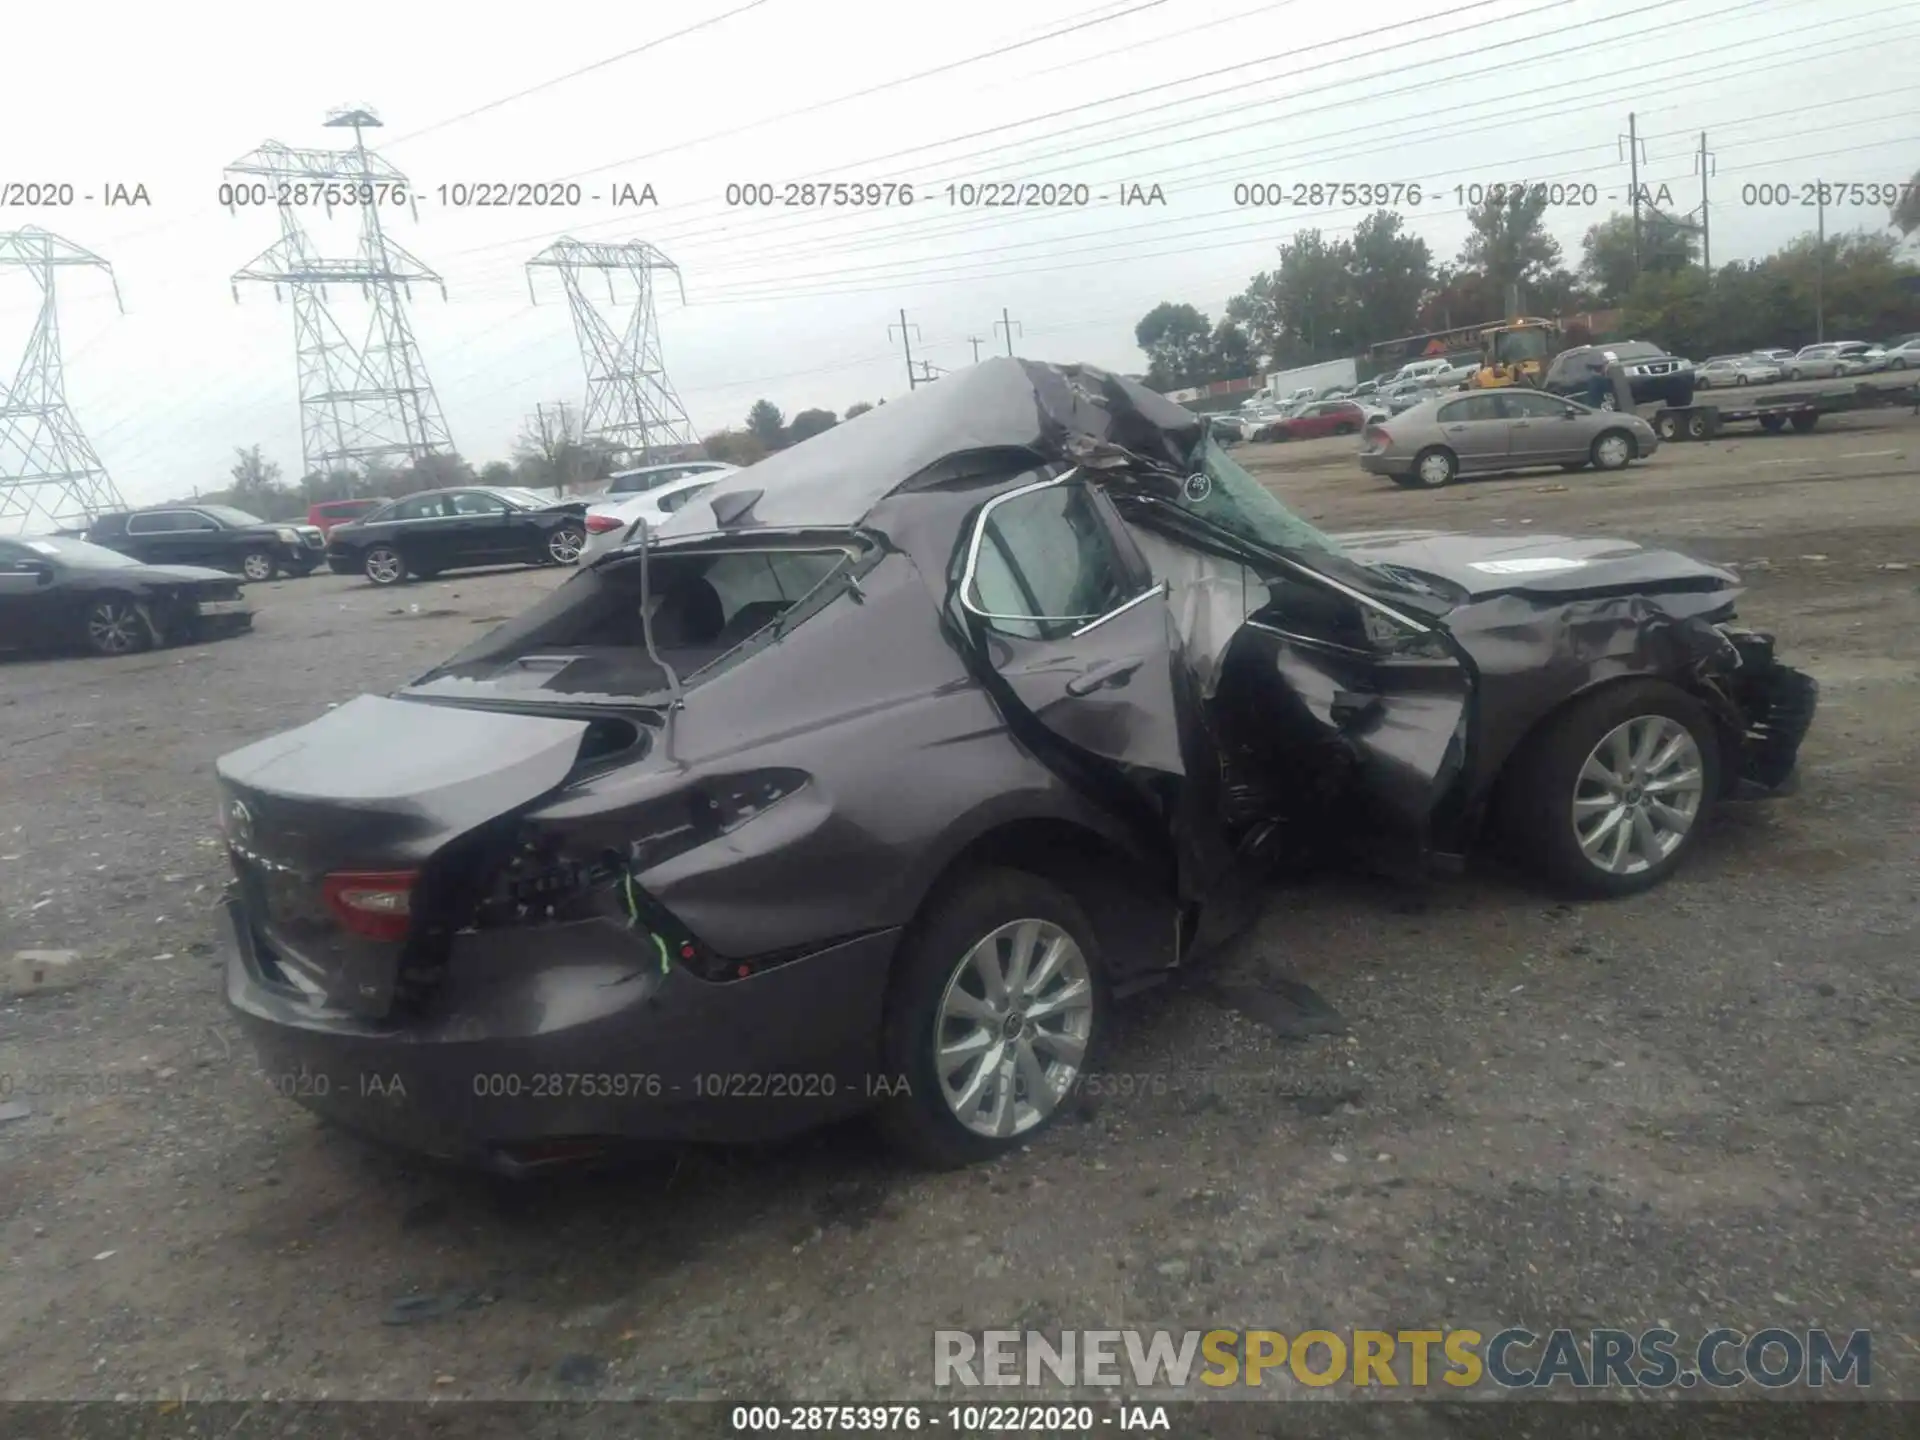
[[258, 565], [1611, 450], [1608, 798], [997, 1000], [116, 627], [384, 565]]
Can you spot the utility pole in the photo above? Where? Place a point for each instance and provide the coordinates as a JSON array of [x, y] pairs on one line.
[[1632, 142], [1707, 164], [1820, 267], [976, 342], [906, 344], [1008, 327]]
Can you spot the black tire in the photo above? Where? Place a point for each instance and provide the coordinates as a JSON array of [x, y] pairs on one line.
[[1698, 427], [1773, 424], [919, 1120], [1739, 379], [384, 565], [259, 566], [1793, 374], [1538, 790], [1428, 471], [1803, 423], [1601, 452], [1667, 425], [113, 625]]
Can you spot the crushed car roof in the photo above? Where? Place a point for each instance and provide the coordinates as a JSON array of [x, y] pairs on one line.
[[1058, 413]]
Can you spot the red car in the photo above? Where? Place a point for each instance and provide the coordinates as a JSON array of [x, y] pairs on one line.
[[329, 513], [1323, 417]]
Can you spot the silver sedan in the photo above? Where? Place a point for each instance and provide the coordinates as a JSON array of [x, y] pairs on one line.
[[1488, 432], [1737, 370]]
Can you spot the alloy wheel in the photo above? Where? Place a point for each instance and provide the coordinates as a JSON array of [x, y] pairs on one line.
[[257, 567], [114, 628], [565, 546], [385, 567], [1638, 794], [1012, 1029]]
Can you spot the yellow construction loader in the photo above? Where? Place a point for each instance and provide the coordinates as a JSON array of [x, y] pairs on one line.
[[1516, 352]]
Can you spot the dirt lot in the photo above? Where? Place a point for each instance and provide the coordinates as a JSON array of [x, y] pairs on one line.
[[1690, 1108]]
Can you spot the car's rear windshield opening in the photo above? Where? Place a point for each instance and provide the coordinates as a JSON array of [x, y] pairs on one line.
[[587, 638]]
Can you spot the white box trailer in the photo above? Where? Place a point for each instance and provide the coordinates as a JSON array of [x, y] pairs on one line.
[[1328, 375]]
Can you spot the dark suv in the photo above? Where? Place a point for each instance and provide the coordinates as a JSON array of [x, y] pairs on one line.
[[1655, 377], [217, 536]]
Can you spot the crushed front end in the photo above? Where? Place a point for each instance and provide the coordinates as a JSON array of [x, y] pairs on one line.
[[1775, 705]]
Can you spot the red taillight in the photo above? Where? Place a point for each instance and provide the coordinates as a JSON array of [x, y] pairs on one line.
[[1378, 437], [601, 524], [377, 904]]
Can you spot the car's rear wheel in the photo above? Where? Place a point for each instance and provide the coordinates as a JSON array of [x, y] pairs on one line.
[[257, 565], [384, 565], [565, 544], [997, 1001], [1739, 379], [1608, 798], [116, 627], [1793, 374], [1611, 450], [1435, 467]]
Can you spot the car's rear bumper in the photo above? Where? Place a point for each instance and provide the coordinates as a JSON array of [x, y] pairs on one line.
[[1388, 465], [559, 1040]]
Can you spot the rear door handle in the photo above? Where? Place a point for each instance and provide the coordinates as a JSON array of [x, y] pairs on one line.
[[1112, 672]]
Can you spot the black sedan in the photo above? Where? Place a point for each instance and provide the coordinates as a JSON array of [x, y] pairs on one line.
[[218, 536], [421, 535], [885, 767], [59, 593]]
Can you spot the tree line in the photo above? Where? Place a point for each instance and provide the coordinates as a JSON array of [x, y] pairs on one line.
[[550, 453], [1333, 298]]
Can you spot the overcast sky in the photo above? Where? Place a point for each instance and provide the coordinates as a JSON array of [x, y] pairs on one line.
[[796, 305]]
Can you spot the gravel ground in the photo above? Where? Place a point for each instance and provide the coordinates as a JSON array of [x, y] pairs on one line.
[[1689, 1108]]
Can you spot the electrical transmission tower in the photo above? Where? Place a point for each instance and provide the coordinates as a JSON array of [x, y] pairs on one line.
[[49, 474], [631, 410], [365, 402]]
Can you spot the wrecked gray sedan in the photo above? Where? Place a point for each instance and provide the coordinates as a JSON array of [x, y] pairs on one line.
[[871, 779]]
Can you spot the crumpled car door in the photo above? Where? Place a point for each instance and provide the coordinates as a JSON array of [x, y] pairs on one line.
[[1357, 715], [1073, 625]]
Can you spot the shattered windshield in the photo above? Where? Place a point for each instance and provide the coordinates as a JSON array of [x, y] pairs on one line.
[[1233, 500]]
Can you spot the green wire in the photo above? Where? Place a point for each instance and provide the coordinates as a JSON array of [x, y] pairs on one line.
[[633, 919]]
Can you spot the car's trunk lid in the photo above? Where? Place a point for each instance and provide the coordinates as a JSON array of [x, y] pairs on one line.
[[377, 787]]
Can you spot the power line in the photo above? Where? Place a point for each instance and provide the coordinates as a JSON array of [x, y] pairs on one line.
[[885, 85], [576, 74]]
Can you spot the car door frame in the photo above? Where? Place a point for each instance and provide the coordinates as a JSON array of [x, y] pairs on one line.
[[490, 536], [29, 600], [1160, 779], [1485, 461], [1566, 418]]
